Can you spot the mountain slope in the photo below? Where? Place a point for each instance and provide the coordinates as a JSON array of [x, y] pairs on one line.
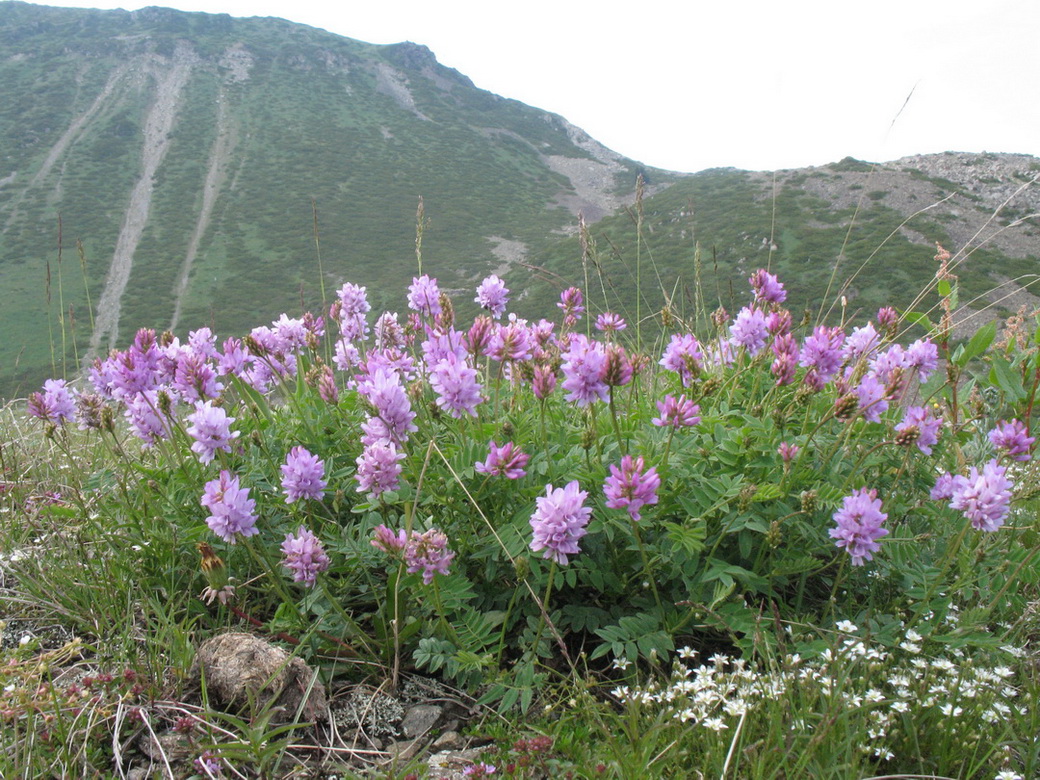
[[194, 155], [862, 231]]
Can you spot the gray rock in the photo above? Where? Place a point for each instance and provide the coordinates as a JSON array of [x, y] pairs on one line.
[[418, 720]]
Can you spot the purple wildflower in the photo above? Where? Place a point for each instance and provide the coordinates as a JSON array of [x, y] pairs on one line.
[[327, 388], [55, 404], [378, 468], [544, 382], [919, 427], [888, 365], [305, 556], [1011, 435], [458, 392], [583, 368], [354, 299], [859, 525], [618, 369], [194, 378], [446, 345], [150, 421], [683, 355], [235, 359], [984, 497], [231, 507], [749, 330], [786, 363], [505, 461], [511, 342], [388, 332], [303, 475], [493, 296], [89, 411], [630, 487], [947, 486], [347, 355], [386, 540], [424, 296], [428, 552], [559, 522], [608, 322], [861, 344], [924, 356], [887, 319], [779, 322], [211, 430], [291, 332], [383, 390], [787, 452], [572, 302], [766, 287], [478, 336], [822, 351], [677, 412], [871, 396]]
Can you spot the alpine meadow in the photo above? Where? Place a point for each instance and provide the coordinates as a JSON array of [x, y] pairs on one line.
[[366, 424]]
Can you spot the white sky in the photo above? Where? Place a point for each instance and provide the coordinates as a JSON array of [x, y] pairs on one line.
[[758, 84]]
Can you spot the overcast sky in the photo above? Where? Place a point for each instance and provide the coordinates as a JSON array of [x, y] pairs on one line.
[[757, 84]]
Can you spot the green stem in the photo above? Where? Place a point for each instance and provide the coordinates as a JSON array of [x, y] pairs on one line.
[[544, 609], [646, 568], [614, 420]]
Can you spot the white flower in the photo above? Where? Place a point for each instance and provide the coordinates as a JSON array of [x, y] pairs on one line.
[[883, 753], [913, 636], [1007, 774], [687, 652], [910, 647], [949, 709], [900, 706], [847, 626], [715, 724], [621, 663]]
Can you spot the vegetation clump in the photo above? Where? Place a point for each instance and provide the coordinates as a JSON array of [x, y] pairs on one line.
[[769, 547]]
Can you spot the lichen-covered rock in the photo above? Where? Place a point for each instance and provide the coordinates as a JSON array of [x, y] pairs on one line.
[[240, 669]]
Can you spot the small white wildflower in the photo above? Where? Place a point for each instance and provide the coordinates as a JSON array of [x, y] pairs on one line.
[[900, 706], [1003, 671], [910, 647], [621, 663], [920, 663], [913, 636], [884, 753], [735, 707], [26, 639], [9, 688], [874, 695], [847, 626], [949, 709], [1007, 774], [715, 724], [944, 664], [1018, 652], [1008, 693], [687, 652], [686, 714]]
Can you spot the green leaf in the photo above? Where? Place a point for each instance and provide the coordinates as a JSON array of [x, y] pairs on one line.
[[1003, 376], [979, 343], [919, 318]]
